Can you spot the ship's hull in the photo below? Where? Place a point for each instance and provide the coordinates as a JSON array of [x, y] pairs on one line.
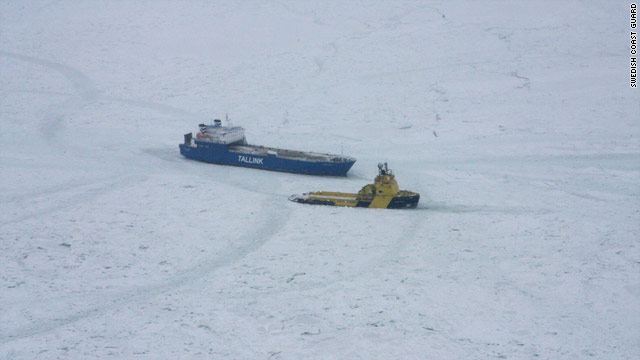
[[222, 155], [405, 201]]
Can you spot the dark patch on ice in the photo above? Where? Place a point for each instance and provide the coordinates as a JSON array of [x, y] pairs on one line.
[[293, 277], [526, 81], [311, 333]]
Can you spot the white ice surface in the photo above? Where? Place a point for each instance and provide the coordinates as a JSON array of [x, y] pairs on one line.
[[514, 120]]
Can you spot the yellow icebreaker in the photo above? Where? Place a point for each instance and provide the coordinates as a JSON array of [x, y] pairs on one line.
[[384, 193]]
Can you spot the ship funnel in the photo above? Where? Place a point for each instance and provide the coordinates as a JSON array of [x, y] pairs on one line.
[[217, 122]]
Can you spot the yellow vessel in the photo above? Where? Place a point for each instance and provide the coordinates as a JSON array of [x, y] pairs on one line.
[[384, 193]]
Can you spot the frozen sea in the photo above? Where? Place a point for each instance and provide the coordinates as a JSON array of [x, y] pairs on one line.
[[514, 120]]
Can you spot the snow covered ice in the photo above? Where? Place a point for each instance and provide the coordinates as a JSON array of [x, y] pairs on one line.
[[514, 121]]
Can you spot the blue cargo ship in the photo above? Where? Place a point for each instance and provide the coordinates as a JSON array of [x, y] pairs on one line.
[[227, 145]]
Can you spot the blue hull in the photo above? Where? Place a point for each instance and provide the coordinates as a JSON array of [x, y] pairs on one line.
[[226, 155]]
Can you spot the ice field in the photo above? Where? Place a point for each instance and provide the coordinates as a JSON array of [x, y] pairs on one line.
[[514, 120]]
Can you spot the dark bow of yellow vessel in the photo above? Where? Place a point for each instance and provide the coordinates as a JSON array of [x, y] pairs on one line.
[[384, 193]]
